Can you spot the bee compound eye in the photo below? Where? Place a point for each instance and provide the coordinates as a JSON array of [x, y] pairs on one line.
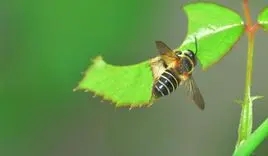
[[178, 53]]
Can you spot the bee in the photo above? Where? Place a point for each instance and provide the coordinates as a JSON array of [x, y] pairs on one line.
[[178, 69]]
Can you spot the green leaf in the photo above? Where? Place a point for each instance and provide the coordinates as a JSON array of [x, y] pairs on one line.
[[263, 19], [216, 28], [249, 145], [129, 86]]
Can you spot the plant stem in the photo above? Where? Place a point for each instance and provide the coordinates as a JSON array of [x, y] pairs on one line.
[[247, 12], [245, 125], [253, 140], [246, 118]]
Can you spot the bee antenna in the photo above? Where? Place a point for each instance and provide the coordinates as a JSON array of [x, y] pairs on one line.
[[196, 46]]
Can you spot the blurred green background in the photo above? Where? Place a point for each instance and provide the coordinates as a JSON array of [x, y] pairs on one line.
[[46, 44]]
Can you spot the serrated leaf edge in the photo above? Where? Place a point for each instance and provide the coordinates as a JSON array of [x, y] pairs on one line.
[[104, 98]]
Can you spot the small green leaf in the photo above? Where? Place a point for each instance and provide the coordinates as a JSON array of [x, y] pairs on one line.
[[216, 28], [126, 86], [263, 19]]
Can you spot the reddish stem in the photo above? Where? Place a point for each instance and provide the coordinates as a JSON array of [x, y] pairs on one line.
[[254, 28], [247, 13], [250, 28]]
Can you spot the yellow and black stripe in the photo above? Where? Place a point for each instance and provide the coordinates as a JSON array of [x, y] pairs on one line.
[[166, 84]]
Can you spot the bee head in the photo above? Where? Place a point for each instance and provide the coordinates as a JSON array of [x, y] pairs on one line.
[[187, 53], [191, 55]]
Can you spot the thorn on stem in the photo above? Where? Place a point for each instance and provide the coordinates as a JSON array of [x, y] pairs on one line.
[[240, 102], [256, 97]]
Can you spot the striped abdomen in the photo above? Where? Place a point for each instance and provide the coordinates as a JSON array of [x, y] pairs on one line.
[[166, 84]]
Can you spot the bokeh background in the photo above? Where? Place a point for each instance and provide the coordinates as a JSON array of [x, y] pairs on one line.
[[46, 44]]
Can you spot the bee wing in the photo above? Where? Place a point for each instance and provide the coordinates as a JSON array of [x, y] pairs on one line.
[[162, 48], [194, 92], [166, 53]]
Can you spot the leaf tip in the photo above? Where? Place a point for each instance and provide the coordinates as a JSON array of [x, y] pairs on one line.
[[75, 89]]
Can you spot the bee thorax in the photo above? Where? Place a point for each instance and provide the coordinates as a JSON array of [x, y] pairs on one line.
[[185, 67]]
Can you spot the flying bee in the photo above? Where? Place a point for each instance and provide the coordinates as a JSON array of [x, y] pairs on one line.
[[178, 69]]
